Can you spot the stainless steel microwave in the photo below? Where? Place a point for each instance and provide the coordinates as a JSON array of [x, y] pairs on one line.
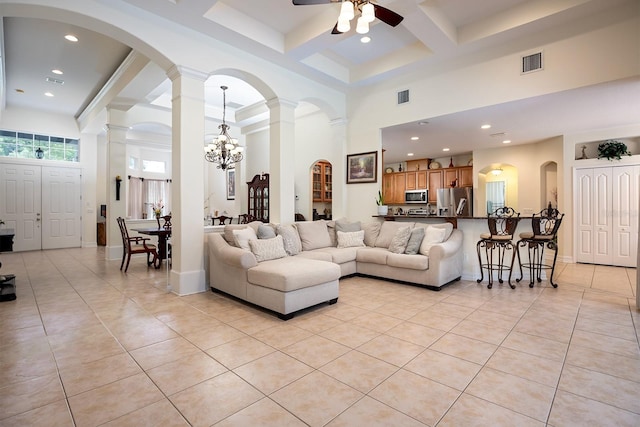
[[415, 196]]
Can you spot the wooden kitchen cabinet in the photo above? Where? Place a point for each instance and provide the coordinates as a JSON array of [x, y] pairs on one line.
[[435, 180], [393, 188], [416, 180], [463, 176]]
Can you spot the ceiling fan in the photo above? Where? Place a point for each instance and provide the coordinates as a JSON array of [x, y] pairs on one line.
[[368, 12]]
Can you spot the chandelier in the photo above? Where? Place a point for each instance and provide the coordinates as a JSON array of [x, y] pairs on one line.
[[224, 150]]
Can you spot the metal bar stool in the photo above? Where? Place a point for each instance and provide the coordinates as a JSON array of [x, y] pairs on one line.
[[502, 224], [544, 226]]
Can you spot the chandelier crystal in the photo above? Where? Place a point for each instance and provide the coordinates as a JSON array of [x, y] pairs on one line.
[[224, 150]]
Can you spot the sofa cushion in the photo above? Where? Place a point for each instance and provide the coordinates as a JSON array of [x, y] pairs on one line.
[[371, 232], [267, 249], [290, 238], [432, 236], [373, 255], [388, 229], [415, 240], [331, 228], [400, 240], [339, 256], [266, 232], [291, 273], [346, 226], [313, 234], [350, 239], [317, 254], [241, 237], [413, 262]]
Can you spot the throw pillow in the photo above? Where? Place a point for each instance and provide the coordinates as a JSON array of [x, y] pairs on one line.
[[388, 230], [346, 226], [400, 240], [313, 235], [432, 236], [228, 232], [447, 226], [267, 249], [371, 231], [241, 237], [415, 240], [266, 232], [350, 239], [291, 239]]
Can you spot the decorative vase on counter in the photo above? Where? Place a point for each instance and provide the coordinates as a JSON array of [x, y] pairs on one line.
[[383, 210]]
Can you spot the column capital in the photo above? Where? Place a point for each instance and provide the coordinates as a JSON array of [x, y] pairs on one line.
[[182, 71], [281, 102]]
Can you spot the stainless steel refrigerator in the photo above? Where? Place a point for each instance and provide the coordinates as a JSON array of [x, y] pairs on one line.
[[456, 201]]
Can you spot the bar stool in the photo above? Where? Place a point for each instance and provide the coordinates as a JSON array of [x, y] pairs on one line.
[[502, 224], [544, 226]]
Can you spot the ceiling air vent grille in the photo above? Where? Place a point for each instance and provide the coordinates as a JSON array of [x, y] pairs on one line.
[[403, 96], [532, 63]]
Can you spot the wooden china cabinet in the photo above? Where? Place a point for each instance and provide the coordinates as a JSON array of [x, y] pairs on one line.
[[258, 194], [322, 181]]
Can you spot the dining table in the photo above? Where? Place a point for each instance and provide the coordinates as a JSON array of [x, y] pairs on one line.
[[163, 234]]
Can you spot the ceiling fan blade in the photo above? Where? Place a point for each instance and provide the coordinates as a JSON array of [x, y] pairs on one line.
[[387, 16], [308, 2], [335, 29]]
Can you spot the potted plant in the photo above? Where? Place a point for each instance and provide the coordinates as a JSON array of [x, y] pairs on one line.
[[382, 208], [612, 149]]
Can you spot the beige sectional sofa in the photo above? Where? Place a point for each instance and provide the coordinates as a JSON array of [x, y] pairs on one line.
[[286, 268]]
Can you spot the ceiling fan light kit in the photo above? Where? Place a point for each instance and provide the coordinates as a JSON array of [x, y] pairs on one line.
[[368, 13]]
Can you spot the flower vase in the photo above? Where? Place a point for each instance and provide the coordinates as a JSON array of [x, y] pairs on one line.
[[158, 218]]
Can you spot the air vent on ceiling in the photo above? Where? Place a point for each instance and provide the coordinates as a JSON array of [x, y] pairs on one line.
[[532, 63], [54, 80], [403, 96]]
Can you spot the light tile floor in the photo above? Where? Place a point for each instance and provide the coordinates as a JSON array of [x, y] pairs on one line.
[[87, 345]]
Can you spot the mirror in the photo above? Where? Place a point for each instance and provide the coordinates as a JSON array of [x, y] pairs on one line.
[[496, 195]]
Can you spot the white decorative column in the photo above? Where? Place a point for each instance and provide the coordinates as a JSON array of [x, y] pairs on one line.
[[187, 159], [281, 161], [116, 166], [339, 138]]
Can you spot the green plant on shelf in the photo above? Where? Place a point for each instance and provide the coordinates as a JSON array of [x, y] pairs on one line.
[[612, 149], [380, 199]]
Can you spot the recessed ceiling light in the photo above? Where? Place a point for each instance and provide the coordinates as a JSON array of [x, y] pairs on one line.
[[56, 71], [71, 38], [49, 94], [365, 39], [410, 154], [506, 141], [445, 149], [485, 127], [415, 138]]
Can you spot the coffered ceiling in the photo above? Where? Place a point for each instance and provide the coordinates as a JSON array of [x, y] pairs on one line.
[[435, 35]]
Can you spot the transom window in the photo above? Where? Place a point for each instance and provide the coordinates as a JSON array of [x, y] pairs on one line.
[[23, 145]]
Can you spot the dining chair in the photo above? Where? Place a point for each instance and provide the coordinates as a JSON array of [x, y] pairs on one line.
[[135, 245], [245, 219], [222, 220]]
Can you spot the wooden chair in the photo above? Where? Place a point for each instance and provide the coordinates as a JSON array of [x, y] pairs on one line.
[[135, 245], [222, 220], [245, 219]]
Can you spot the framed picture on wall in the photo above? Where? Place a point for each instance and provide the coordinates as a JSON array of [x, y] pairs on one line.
[[362, 167], [231, 184]]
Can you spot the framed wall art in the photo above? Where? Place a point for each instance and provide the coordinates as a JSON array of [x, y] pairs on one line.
[[362, 167], [231, 184]]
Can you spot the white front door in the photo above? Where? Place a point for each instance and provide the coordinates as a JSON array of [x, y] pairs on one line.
[[61, 207], [20, 204]]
